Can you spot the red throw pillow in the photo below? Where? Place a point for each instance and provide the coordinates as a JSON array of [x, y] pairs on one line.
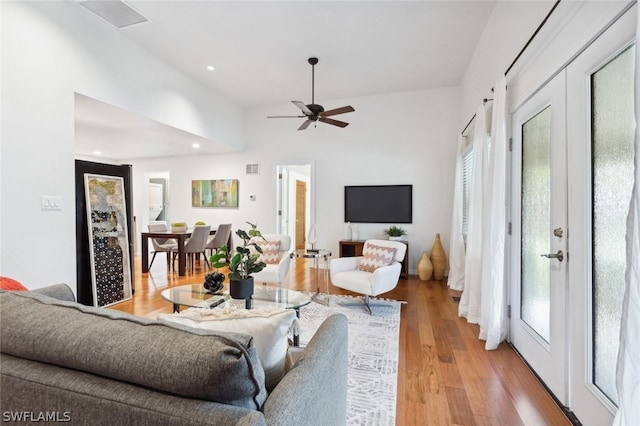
[[7, 283]]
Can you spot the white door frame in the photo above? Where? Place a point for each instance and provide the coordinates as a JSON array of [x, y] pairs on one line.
[[285, 173]]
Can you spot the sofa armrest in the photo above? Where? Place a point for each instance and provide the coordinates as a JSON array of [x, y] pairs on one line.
[[344, 264], [314, 391], [57, 291]]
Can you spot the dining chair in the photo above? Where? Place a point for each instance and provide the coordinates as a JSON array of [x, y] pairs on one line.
[[196, 244], [163, 245], [220, 239]]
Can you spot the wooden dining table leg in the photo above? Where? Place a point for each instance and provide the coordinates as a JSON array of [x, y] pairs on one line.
[[182, 262]]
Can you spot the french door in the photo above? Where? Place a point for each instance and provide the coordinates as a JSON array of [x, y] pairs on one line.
[[572, 180], [600, 96], [538, 302]]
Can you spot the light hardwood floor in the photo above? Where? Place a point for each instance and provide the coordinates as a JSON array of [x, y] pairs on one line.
[[445, 377]]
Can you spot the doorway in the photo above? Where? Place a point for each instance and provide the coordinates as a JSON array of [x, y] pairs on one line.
[[573, 176], [301, 215], [155, 205], [294, 207]]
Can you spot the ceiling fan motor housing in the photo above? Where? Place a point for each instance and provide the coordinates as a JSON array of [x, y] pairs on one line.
[[316, 110]]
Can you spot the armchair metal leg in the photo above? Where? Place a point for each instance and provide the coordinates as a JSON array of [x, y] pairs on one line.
[[366, 304]]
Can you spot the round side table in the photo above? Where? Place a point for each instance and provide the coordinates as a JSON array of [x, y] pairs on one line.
[[317, 255]]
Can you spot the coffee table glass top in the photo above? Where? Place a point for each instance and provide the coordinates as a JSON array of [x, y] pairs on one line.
[[263, 296]]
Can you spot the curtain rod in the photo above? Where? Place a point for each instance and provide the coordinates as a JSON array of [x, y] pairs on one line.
[[484, 101], [535, 33]]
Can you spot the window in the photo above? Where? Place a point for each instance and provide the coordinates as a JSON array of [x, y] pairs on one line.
[[467, 174]]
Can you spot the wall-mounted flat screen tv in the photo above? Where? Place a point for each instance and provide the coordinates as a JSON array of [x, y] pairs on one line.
[[378, 204]]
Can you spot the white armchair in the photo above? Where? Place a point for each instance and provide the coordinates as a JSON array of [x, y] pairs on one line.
[[275, 272], [383, 269]]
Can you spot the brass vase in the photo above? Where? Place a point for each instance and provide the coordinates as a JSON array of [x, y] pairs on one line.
[[438, 259], [425, 267]]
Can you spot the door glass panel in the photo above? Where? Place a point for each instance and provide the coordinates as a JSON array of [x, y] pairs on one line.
[[536, 217], [613, 127]]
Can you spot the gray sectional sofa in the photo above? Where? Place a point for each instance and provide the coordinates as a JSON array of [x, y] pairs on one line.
[[68, 362]]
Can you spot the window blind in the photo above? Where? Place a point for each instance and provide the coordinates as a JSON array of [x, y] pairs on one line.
[[467, 172]]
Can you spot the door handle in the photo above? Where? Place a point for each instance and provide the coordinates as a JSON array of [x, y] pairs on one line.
[[559, 255]]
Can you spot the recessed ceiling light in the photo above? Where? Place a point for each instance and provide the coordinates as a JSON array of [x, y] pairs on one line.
[[96, 153], [211, 67], [196, 145]]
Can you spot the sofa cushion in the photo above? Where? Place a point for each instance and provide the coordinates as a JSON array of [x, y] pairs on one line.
[[195, 363], [269, 327], [375, 256]]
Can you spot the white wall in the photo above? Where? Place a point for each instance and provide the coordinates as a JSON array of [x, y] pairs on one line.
[[510, 26], [49, 52], [392, 139]]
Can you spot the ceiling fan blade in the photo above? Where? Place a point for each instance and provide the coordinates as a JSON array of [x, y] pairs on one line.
[[333, 122], [286, 116], [303, 107], [305, 124], [337, 111]]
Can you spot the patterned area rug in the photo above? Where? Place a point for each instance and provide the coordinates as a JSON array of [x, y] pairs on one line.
[[373, 355]]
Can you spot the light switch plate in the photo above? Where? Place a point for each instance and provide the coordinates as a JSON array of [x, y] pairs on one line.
[[50, 202]]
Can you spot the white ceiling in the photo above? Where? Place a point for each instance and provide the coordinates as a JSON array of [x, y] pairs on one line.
[[260, 48]]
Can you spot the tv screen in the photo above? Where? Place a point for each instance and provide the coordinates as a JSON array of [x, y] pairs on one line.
[[378, 204]]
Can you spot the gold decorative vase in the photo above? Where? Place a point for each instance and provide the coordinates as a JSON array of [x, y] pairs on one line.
[[438, 259], [425, 268]]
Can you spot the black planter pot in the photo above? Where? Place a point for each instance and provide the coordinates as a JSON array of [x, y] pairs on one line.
[[241, 289]]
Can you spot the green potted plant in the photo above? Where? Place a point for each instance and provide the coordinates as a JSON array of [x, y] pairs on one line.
[[395, 233], [241, 264]]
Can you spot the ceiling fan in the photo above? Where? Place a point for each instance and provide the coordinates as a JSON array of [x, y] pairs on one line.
[[314, 112]]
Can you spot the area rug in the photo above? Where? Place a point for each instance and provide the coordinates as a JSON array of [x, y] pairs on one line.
[[373, 355]]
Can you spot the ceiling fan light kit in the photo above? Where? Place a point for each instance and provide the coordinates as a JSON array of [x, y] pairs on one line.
[[314, 112]]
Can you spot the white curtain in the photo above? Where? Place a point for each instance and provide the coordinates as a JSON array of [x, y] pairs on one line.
[[470, 299], [628, 369], [456, 245], [493, 310]]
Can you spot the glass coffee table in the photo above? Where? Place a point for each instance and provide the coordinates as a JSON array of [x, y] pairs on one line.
[[192, 295]]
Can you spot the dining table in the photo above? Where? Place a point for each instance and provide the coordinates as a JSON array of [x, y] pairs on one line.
[[180, 237]]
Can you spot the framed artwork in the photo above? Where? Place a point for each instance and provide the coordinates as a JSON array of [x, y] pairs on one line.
[[108, 239], [214, 193]]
